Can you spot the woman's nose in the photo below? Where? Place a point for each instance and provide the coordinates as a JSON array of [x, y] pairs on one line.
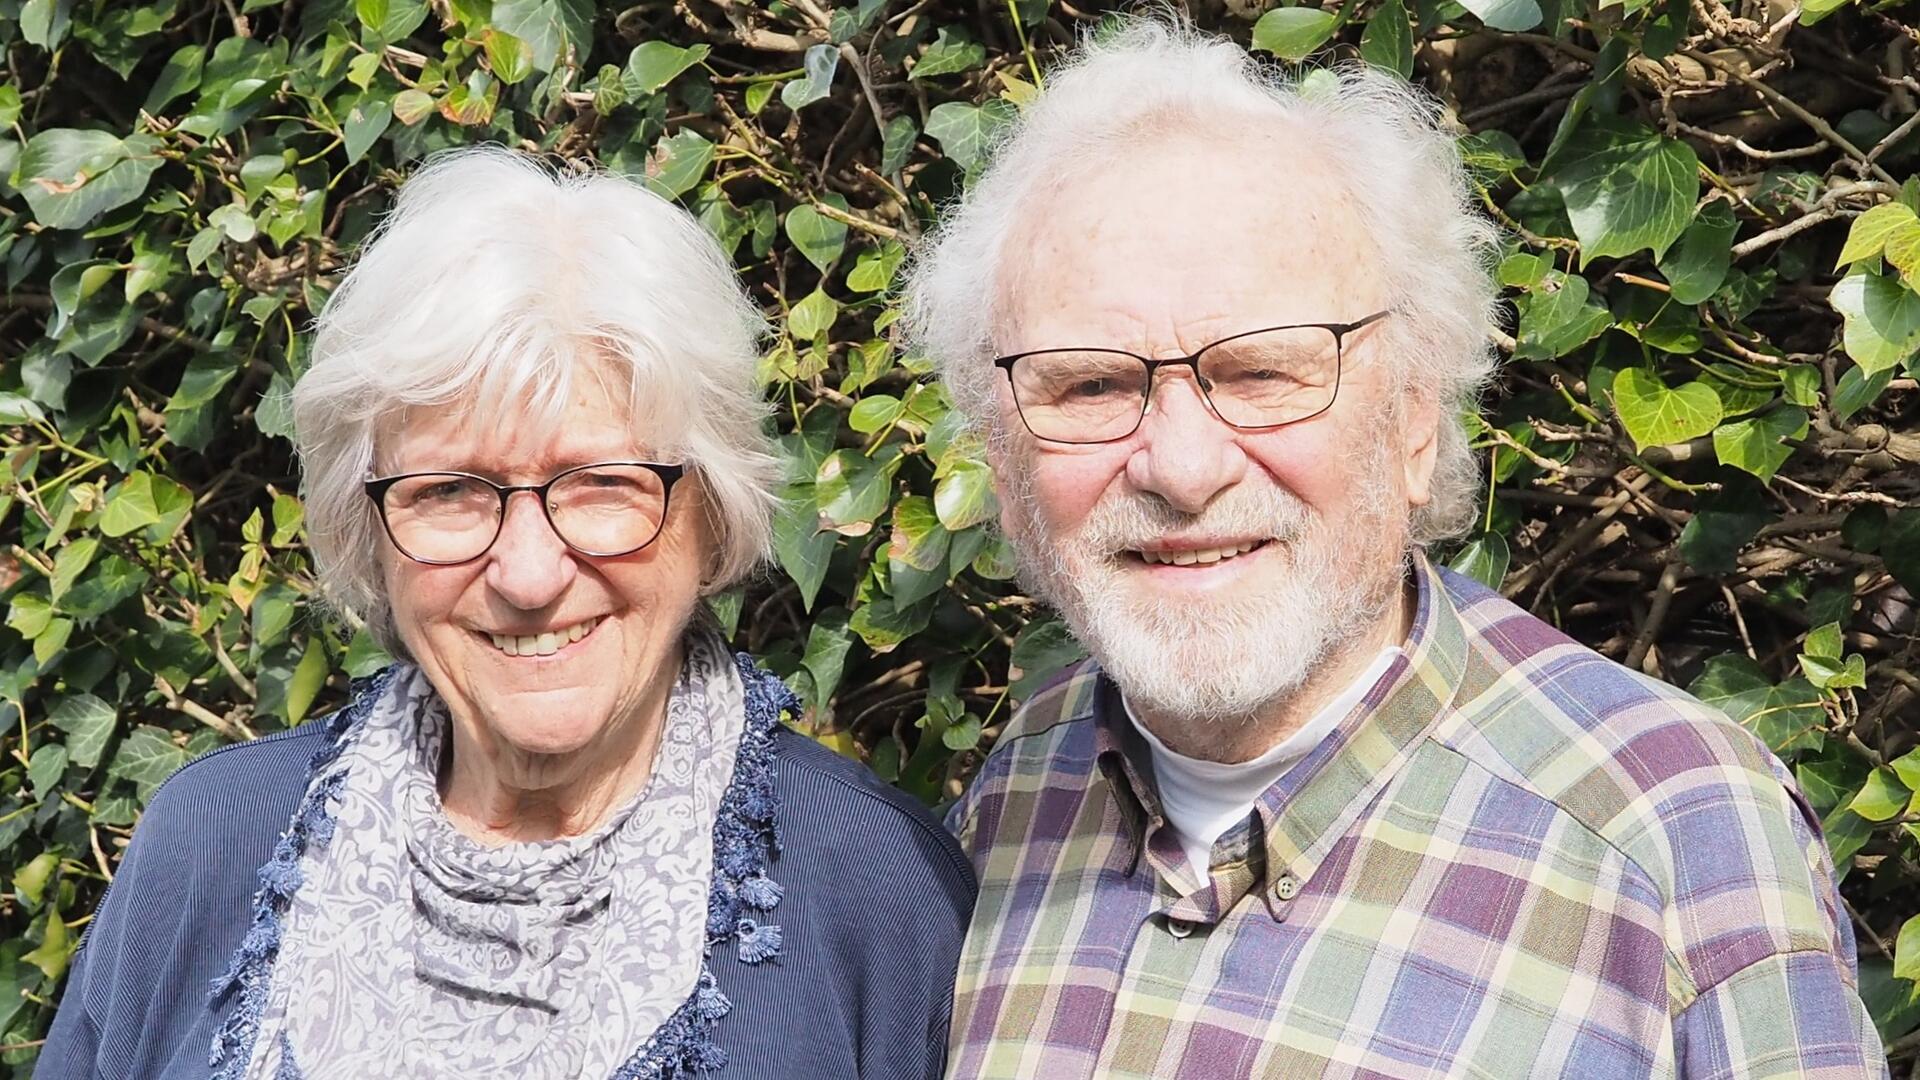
[[529, 566]]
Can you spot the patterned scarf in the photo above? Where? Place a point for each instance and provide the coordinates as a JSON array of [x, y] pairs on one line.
[[385, 942]]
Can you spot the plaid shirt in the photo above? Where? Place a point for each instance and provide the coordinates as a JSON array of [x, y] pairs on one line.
[[1515, 858]]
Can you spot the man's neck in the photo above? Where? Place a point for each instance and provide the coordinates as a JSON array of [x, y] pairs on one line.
[[1232, 743]]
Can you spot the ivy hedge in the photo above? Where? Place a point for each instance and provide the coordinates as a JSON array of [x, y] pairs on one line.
[[1704, 455]]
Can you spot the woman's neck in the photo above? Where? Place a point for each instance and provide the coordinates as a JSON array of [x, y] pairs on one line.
[[497, 794]]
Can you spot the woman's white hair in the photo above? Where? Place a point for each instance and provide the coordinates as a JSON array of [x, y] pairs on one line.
[[493, 285], [1382, 140]]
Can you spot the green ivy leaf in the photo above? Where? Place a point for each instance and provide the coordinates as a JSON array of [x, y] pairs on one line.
[[1558, 317], [875, 268], [45, 22], [828, 642], [1907, 768], [654, 64], [71, 177], [510, 58], [412, 106], [1906, 951], [131, 507], [32, 879], [1870, 233], [1881, 317], [1787, 717], [677, 163], [820, 63], [181, 75], [1697, 264], [813, 316], [146, 756], [88, 722], [1882, 798], [1757, 444], [1292, 33], [1387, 42], [49, 763], [801, 547], [1626, 187], [308, 677], [952, 52], [1656, 415], [1510, 15], [29, 615], [820, 238], [964, 496], [1857, 389], [1484, 558], [365, 123], [897, 145], [853, 490], [1800, 384], [964, 132], [551, 28], [874, 412], [1042, 649]]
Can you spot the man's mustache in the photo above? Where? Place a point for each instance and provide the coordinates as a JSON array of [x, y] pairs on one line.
[[1127, 522]]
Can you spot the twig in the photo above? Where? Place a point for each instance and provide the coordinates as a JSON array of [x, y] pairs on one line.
[[1741, 145], [1656, 612], [1792, 228], [233, 671], [1820, 127], [236, 730]]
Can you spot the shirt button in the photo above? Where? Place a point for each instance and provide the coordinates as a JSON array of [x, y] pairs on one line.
[[1286, 888], [1180, 928]]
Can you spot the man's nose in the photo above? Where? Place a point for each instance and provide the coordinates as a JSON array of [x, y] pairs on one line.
[[1186, 454], [529, 565]]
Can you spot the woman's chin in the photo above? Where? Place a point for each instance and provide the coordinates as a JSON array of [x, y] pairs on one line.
[[548, 726]]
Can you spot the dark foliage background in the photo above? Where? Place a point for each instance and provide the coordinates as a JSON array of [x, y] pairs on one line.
[[1705, 453]]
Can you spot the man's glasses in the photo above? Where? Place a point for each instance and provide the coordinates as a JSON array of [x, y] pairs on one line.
[[441, 518], [1259, 379]]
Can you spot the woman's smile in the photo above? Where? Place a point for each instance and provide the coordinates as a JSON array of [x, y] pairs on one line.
[[543, 643]]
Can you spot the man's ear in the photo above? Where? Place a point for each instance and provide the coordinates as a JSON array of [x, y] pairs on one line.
[[1418, 422]]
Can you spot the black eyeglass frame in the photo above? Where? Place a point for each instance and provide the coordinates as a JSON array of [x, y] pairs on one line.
[[377, 487], [1192, 362]]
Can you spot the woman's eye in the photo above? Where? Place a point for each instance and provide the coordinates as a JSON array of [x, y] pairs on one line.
[[444, 491]]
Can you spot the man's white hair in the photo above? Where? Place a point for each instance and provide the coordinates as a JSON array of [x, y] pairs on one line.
[[494, 285], [1381, 140]]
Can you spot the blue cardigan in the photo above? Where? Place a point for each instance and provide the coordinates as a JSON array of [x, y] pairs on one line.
[[876, 902]]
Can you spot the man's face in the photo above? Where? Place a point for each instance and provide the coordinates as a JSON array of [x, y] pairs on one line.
[[1161, 257]]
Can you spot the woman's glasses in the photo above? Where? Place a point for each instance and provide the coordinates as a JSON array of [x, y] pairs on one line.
[[441, 518]]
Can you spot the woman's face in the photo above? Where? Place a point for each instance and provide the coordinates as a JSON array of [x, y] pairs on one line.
[[587, 691]]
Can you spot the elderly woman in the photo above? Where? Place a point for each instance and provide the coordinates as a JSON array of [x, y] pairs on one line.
[[566, 835]]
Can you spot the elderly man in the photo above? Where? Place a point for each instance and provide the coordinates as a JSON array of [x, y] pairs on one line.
[[1316, 806]]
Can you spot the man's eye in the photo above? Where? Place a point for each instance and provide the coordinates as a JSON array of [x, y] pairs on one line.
[[444, 491], [1091, 388], [609, 481]]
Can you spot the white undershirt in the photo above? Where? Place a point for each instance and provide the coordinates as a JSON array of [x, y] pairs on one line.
[[1203, 799]]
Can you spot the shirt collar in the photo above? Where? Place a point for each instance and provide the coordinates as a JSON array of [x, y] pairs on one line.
[[1313, 804]]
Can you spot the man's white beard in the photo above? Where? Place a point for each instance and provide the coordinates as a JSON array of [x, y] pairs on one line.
[[1232, 658]]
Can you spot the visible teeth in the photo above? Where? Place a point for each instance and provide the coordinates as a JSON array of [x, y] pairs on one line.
[[1201, 556], [542, 644]]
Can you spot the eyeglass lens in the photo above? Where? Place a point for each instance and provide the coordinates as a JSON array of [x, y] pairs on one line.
[[449, 518], [1256, 380]]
